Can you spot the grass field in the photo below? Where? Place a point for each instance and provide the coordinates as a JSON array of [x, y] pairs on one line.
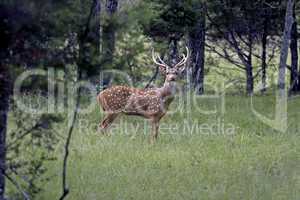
[[252, 161]]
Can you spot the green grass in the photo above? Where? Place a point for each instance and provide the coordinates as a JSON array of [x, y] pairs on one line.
[[256, 162]]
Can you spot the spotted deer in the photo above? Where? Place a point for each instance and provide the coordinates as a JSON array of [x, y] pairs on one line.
[[151, 103]]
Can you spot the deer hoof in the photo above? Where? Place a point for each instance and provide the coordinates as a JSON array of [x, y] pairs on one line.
[[101, 130]]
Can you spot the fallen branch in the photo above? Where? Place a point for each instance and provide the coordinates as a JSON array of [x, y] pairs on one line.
[[18, 187], [65, 188]]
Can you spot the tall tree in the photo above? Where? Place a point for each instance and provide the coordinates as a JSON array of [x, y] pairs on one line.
[[197, 44], [89, 40], [8, 35], [4, 102], [266, 15], [90, 33], [264, 42], [236, 27], [21, 44], [234, 31], [294, 55], [109, 31], [4, 105], [289, 20]]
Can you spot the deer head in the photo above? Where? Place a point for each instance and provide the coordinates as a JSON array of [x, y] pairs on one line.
[[171, 73]]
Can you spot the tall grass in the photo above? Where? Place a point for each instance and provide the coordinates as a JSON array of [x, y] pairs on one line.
[[251, 162]]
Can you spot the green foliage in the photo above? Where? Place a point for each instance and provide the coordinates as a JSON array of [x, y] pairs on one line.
[[31, 141], [173, 19], [131, 55], [246, 16]]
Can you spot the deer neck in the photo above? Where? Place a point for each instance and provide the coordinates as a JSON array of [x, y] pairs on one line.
[[168, 89]]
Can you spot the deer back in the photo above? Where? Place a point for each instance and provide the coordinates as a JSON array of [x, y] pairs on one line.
[[131, 101], [115, 99]]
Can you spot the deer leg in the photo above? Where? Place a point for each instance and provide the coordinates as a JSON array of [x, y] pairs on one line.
[[108, 120], [154, 131]]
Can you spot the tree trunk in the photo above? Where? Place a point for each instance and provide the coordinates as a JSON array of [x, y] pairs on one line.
[[249, 81], [173, 52], [285, 46], [264, 57], [197, 45], [109, 32], [97, 26], [5, 92], [4, 105], [294, 56], [249, 68], [89, 40]]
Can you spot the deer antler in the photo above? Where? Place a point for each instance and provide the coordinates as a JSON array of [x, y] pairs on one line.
[[160, 62], [184, 59]]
